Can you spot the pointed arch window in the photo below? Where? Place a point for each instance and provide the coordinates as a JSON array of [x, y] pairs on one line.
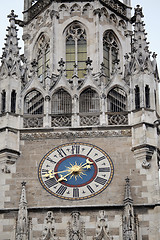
[[61, 102], [117, 100], [43, 58], [137, 97], [3, 101], [147, 96], [13, 101], [110, 52], [76, 49], [34, 103], [89, 101]]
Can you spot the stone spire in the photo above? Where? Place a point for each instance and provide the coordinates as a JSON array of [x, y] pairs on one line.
[[127, 196], [129, 220], [140, 55], [22, 222], [11, 62]]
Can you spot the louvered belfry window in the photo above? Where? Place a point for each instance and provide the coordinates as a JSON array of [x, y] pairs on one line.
[[61, 102], [76, 49], [34, 103], [117, 100], [13, 101], [3, 103], [110, 52], [137, 97], [89, 101]]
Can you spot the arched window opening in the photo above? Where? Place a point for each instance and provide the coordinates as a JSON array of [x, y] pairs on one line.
[[155, 99], [43, 58], [3, 102], [137, 97], [76, 49], [34, 103], [61, 102], [117, 100], [147, 96], [89, 101], [13, 101], [110, 52]]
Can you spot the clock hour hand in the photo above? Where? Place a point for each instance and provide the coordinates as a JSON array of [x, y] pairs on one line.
[[63, 178], [51, 173]]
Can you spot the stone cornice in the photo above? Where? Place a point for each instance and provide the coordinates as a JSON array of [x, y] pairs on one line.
[[30, 136]]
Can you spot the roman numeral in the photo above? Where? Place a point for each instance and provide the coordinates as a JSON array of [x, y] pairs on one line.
[[100, 159], [75, 149], [44, 171], [89, 151], [51, 182], [100, 180], [50, 160], [61, 190], [106, 169], [61, 152], [90, 189], [75, 192]]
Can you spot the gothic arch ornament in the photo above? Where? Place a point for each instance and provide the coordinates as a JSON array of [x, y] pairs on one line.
[[76, 228], [76, 49], [110, 52], [49, 232], [102, 229]]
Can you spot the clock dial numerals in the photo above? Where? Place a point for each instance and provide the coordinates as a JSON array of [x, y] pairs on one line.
[[75, 192], [61, 190], [50, 182], [61, 152], [104, 169], [90, 189], [50, 160], [75, 171], [75, 149], [100, 180]]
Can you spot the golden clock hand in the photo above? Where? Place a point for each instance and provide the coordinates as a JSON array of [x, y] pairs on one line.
[[87, 164], [64, 177], [51, 173]]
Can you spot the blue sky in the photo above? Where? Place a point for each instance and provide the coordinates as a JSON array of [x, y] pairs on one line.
[[151, 19]]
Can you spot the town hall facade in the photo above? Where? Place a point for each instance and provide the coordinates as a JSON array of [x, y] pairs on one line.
[[79, 124]]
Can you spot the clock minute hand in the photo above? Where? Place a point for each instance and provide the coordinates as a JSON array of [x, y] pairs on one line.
[[87, 164]]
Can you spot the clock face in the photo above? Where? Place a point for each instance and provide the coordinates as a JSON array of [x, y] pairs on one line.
[[75, 171]]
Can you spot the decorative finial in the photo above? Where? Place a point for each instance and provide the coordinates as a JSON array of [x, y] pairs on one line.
[[23, 184], [61, 63], [89, 61], [12, 16]]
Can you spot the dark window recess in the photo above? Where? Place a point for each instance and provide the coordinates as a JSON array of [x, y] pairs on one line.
[[89, 101], [33, 103], [61, 102], [117, 100], [155, 98], [13, 101], [137, 97], [3, 101], [147, 96]]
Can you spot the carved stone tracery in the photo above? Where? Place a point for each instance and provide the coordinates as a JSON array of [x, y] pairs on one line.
[[76, 229], [102, 229], [49, 232]]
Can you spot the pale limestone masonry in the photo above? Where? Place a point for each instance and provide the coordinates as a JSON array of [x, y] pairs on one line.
[[87, 82]]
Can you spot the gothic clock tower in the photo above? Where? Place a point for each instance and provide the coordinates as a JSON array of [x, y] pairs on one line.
[[79, 123]]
